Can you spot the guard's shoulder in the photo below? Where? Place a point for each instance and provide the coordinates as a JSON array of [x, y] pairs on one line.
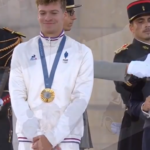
[[122, 48], [10, 31]]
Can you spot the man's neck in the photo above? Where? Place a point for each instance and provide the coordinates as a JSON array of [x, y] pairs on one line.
[[52, 35], [145, 42]]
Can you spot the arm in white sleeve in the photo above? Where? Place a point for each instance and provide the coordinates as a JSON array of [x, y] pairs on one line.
[[18, 94], [80, 98]]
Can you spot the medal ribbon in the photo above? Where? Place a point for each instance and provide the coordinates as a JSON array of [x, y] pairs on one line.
[[49, 80]]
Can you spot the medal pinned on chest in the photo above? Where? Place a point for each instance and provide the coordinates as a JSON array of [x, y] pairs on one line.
[[48, 94]]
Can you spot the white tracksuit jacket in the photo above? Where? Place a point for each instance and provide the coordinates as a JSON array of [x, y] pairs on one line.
[[60, 121]]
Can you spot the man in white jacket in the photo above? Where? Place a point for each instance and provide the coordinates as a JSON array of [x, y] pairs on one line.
[[51, 104]]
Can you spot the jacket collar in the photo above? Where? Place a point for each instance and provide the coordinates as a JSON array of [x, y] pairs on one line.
[[141, 44], [52, 38], [52, 41]]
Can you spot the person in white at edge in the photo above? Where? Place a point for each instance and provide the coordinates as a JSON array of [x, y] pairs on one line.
[[60, 121]]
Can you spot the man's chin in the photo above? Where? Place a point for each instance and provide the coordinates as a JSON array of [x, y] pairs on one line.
[[67, 29], [49, 31]]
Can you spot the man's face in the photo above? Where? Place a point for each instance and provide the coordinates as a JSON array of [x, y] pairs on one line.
[[51, 18], [69, 19], [140, 27]]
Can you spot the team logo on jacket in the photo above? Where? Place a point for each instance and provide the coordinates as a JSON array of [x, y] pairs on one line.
[[66, 56], [33, 57]]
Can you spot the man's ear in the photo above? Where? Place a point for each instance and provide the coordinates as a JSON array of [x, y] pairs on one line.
[[131, 27], [65, 14]]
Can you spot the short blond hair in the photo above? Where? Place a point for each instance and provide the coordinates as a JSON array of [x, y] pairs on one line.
[[46, 2]]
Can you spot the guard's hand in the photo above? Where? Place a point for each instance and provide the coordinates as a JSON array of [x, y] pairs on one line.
[[1, 104], [140, 69], [146, 105], [115, 127]]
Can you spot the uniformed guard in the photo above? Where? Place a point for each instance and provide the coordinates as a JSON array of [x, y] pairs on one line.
[[8, 41], [132, 125], [70, 16], [86, 141]]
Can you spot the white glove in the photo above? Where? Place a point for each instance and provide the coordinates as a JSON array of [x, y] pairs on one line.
[[115, 128], [139, 69], [1, 102]]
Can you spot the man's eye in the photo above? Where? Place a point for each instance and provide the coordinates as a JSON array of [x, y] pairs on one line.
[[42, 13], [54, 13], [140, 21]]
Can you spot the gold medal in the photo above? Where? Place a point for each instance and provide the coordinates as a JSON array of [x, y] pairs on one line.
[[47, 95]]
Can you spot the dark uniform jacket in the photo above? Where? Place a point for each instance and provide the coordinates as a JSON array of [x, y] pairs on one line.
[[135, 106], [8, 40], [132, 125]]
